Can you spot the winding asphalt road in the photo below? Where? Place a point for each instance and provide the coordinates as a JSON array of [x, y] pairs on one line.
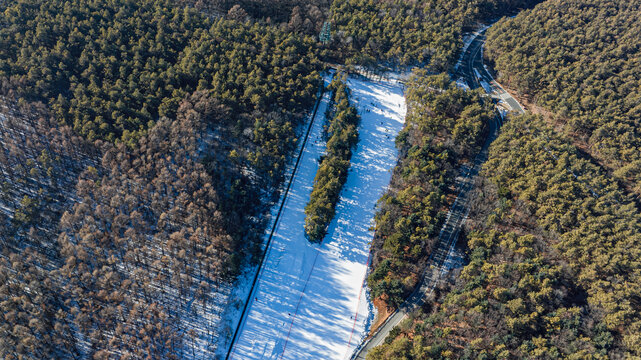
[[473, 60], [473, 71]]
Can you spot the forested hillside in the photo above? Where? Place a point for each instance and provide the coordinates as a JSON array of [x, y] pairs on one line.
[[580, 59], [409, 33], [110, 69], [554, 258], [299, 16], [143, 142], [443, 128], [141, 146], [150, 242], [579, 63], [598, 225]]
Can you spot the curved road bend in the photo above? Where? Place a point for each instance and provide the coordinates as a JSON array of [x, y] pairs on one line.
[[472, 60]]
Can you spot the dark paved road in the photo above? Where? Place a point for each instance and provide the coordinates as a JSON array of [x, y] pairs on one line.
[[476, 75]]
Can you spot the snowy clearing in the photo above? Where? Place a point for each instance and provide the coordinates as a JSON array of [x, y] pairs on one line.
[[310, 302]]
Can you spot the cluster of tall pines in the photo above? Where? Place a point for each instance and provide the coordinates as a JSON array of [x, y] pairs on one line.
[[341, 133]]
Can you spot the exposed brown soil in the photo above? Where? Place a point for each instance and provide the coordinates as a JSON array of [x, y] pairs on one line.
[[383, 312]]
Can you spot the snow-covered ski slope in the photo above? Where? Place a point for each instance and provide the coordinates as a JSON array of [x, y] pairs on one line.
[[309, 301]]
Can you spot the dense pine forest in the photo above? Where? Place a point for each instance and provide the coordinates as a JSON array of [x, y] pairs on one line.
[[553, 260], [409, 32], [579, 67], [306, 17], [552, 239], [141, 143], [366, 32], [110, 69], [580, 61]]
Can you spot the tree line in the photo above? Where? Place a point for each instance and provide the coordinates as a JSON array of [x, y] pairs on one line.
[[341, 134]]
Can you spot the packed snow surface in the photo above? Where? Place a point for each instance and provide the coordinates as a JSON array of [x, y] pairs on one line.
[[310, 300]]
